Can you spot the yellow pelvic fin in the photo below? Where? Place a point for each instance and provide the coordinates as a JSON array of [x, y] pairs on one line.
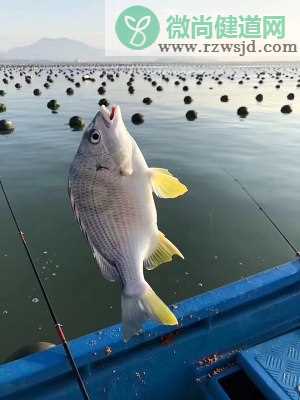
[[163, 253], [159, 310], [165, 185]]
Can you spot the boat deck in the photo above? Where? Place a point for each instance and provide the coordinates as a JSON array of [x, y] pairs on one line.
[[275, 366], [241, 341], [267, 371]]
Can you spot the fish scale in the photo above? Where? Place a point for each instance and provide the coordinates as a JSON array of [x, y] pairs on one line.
[[88, 220], [100, 230]]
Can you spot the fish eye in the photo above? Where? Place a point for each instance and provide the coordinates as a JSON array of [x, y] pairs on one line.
[[95, 137]]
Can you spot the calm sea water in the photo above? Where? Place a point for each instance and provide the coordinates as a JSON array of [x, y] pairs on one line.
[[220, 232]]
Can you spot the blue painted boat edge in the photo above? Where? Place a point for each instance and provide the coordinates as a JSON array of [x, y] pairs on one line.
[[93, 348]]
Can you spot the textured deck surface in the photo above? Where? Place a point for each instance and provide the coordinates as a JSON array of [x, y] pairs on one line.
[[275, 366]]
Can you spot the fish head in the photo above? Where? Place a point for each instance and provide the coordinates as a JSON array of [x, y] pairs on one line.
[[107, 140]]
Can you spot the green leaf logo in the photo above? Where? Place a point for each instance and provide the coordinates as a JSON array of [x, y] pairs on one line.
[[137, 27]]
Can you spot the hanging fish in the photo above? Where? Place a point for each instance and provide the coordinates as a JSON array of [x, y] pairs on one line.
[[111, 190]]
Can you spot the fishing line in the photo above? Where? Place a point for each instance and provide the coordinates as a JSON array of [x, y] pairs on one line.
[[260, 208], [58, 326]]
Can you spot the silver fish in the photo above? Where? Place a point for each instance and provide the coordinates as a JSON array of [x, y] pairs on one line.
[[111, 191]]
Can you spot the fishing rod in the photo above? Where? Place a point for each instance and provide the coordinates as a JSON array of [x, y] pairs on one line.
[[260, 208], [58, 326]]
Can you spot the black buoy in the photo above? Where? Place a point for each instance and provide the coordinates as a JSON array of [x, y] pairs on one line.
[[6, 127], [70, 91], [259, 97], [77, 123], [188, 100], [287, 109], [103, 102], [77, 84], [46, 85], [191, 115], [101, 90], [185, 88], [243, 112], [2, 107], [290, 96], [224, 98], [137, 119], [147, 100], [131, 89], [159, 88], [2, 92], [18, 86], [53, 105], [37, 92]]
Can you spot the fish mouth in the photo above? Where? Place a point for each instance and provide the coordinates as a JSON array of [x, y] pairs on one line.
[[108, 116], [112, 114]]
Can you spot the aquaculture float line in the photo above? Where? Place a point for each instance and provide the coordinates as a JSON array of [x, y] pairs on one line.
[[268, 217], [58, 326]]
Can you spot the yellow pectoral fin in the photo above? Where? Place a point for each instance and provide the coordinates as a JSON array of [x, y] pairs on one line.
[[165, 185], [162, 254]]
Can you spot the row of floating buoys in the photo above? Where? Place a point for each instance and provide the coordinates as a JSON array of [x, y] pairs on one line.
[[153, 76]]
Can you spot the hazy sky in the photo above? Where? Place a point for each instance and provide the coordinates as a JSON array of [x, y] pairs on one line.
[[23, 22]]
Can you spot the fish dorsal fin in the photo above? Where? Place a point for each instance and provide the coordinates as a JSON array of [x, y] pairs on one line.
[[165, 185], [163, 253], [108, 271]]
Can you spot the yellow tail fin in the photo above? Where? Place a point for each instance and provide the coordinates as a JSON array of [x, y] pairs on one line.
[[159, 310], [136, 309], [165, 185]]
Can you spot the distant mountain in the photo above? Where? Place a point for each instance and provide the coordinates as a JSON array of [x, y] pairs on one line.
[[58, 50], [69, 50]]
